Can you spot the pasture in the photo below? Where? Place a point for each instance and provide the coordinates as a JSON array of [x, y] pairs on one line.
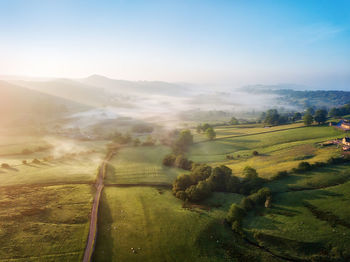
[[44, 223], [278, 149], [150, 224], [141, 165], [45, 205]]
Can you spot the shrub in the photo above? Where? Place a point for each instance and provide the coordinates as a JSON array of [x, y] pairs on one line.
[[249, 173], [247, 204], [198, 192], [304, 166], [200, 172], [35, 161], [169, 160], [182, 162], [220, 178], [26, 151], [5, 165], [182, 182], [280, 174], [235, 214], [181, 195]]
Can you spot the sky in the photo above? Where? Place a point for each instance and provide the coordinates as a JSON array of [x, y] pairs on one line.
[[235, 42]]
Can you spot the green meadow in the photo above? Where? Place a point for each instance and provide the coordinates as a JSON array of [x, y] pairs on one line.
[[45, 205]]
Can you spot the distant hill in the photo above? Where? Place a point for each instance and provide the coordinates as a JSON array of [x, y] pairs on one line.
[[302, 99], [136, 87], [18, 103]]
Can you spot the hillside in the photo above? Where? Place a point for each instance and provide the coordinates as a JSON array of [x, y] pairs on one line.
[[19, 103]]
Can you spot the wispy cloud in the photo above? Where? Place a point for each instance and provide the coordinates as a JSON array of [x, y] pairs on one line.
[[319, 32]]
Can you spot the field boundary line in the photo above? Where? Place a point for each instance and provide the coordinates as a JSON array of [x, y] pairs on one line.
[[259, 133], [91, 241]]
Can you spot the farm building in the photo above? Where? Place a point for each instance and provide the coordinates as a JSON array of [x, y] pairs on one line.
[[344, 124], [346, 141]]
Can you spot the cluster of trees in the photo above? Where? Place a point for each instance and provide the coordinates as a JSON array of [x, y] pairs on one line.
[[142, 128], [319, 116], [203, 180], [337, 112], [234, 121], [179, 161], [120, 138], [123, 139], [237, 212], [273, 117], [207, 129]]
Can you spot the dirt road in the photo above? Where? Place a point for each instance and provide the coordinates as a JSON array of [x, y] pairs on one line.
[[94, 211]]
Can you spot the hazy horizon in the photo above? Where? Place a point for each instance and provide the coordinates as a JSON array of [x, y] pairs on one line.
[[211, 43]]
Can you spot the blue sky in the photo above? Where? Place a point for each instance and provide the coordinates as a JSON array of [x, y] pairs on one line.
[[215, 42]]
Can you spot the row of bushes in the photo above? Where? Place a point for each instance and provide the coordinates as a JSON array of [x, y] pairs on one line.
[[237, 212], [203, 180], [306, 166], [179, 161]]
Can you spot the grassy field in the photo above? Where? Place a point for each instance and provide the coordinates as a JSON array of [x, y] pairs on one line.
[[45, 206], [47, 223], [278, 150], [309, 214], [154, 224], [141, 165]]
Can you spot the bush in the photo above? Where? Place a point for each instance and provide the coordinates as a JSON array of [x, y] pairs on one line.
[[169, 160], [5, 165], [235, 214], [255, 153], [26, 151], [198, 192], [304, 166], [247, 204], [182, 162], [201, 172], [36, 161], [220, 178], [249, 173], [280, 174], [181, 195], [182, 182]]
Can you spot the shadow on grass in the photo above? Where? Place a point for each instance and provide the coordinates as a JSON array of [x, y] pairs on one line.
[[104, 241]]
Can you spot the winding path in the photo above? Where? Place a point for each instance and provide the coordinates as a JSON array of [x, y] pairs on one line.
[[94, 211]]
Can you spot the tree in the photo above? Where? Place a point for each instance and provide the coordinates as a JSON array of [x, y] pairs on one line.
[[198, 192], [205, 127], [182, 182], [308, 119], [234, 121], [335, 112], [310, 111], [321, 116], [235, 214], [137, 142], [296, 117], [220, 178], [169, 160], [211, 134], [272, 117], [199, 128], [184, 140], [249, 173]]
